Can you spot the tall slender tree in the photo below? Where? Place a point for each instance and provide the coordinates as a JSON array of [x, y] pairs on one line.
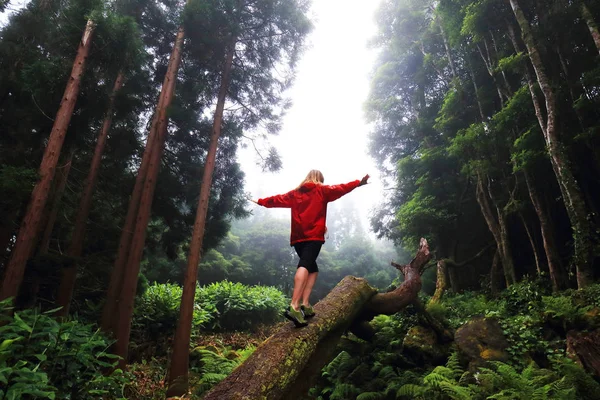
[[65, 291], [572, 196], [31, 221], [180, 358]]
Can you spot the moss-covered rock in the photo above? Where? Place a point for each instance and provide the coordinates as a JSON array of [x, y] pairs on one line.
[[481, 340], [421, 345]]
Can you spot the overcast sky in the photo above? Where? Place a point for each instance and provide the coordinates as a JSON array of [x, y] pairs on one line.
[[326, 129]]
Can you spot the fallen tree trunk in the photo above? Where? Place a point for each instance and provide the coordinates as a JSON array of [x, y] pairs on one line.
[[286, 365]]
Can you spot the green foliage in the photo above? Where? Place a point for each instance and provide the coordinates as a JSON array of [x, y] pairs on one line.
[[524, 297], [214, 366], [43, 358], [233, 306], [502, 381], [459, 308], [219, 306], [157, 312]]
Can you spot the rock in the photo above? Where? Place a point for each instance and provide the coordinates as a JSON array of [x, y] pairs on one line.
[[481, 340], [584, 349], [421, 345]]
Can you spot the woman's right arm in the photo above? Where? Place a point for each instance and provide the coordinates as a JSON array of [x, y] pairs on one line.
[[278, 201]]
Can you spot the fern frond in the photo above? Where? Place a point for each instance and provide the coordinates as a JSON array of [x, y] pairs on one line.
[[456, 392], [370, 396], [434, 379], [411, 391]]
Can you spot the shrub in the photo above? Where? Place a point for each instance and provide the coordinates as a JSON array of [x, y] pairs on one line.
[[459, 308], [43, 358], [233, 306], [157, 311]]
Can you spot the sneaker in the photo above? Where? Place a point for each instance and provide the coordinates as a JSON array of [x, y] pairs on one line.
[[296, 317], [308, 311]]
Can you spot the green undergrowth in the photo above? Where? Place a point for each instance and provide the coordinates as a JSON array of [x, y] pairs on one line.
[[534, 322], [43, 358], [222, 307]]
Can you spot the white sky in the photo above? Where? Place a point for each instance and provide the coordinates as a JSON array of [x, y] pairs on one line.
[[326, 129]]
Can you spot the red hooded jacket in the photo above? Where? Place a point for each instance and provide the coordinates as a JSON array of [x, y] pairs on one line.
[[309, 208]]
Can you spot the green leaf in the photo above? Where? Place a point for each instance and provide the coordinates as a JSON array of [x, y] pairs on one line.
[[21, 324]]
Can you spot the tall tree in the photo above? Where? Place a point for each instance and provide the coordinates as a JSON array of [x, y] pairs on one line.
[[125, 283], [574, 201], [31, 221], [65, 291], [180, 356], [267, 34]]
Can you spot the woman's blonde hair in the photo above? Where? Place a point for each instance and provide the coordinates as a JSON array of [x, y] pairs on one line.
[[314, 176]]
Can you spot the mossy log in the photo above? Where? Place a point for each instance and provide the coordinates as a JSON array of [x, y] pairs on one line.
[[286, 364]]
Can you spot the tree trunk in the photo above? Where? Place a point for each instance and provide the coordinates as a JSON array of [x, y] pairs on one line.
[[178, 372], [31, 222], [536, 257], [441, 283], [555, 267], [286, 365], [592, 26], [494, 272], [447, 47], [60, 182], [130, 276], [67, 284], [574, 202], [498, 230]]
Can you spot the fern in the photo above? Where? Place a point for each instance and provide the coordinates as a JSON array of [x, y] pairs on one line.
[[435, 379], [344, 391], [387, 373], [370, 396], [411, 391], [456, 392]]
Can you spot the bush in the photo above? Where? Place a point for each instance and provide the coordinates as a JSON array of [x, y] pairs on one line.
[[43, 358], [459, 308], [219, 306], [157, 311], [233, 306]]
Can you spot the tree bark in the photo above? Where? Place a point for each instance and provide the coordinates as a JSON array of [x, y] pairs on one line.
[[494, 287], [286, 364], [555, 267], [591, 24], [130, 276], [441, 282], [536, 257], [498, 230], [67, 284], [572, 197], [31, 222], [60, 183], [181, 342], [447, 47]]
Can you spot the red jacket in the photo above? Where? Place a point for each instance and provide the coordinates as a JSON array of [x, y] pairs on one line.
[[309, 208]]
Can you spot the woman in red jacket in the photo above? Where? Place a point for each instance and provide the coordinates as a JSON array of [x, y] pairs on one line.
[[308, 203]]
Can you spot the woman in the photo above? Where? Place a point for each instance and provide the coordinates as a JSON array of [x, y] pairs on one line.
[[308, 203]]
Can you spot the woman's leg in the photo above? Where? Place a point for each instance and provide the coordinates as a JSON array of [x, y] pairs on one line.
[[310, 282], [300, 282]]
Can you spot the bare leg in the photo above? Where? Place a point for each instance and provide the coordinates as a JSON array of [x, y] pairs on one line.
[[310, 282], [299, 284]]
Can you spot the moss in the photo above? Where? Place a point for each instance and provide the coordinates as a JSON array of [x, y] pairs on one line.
[[492, 354]]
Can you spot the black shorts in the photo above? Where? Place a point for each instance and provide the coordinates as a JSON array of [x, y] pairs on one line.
[[308, 253]]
